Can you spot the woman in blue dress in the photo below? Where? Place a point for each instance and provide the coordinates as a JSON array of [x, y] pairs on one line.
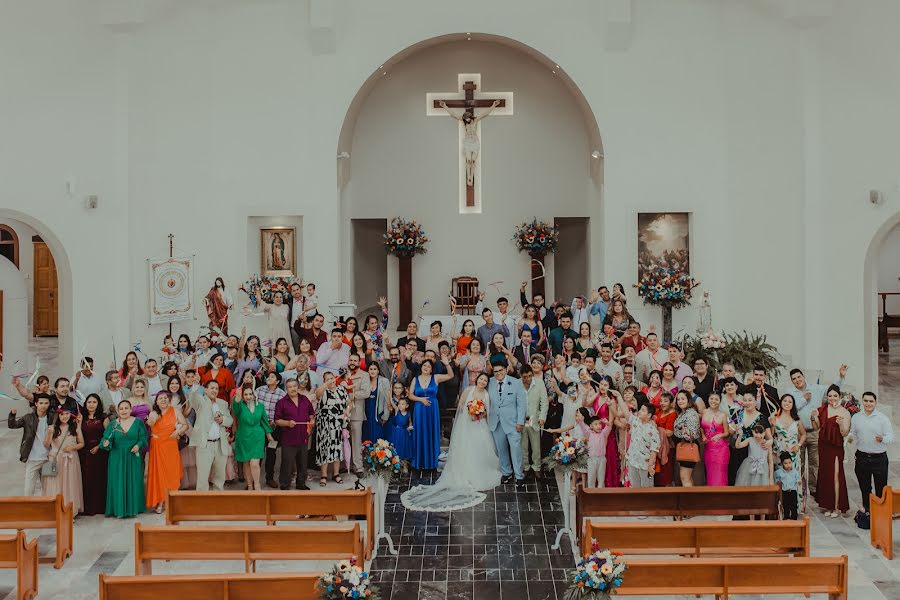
[[426, 416], [531, 321], [378, 406]]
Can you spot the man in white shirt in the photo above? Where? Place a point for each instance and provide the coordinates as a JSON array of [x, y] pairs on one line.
[[296, 315], [151, 374], [334, 355], [86, 381], [502, 319], [607, 366], [652, 358], [872, 431], [681, 369], [581, 312]]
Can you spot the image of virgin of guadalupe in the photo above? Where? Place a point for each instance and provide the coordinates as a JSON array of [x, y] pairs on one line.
[[278, 260]]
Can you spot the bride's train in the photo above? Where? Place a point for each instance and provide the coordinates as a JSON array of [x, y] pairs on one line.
[[472, 465]]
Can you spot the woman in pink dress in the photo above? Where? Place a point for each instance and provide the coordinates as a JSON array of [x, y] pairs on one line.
[[716, 452], [64, 440], [605, 406]]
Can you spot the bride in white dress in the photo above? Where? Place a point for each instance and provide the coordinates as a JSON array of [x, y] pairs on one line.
[[472, 464]]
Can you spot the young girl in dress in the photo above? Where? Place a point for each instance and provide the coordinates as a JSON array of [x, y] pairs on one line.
[[580, 430], [757, 468], [400, 425]]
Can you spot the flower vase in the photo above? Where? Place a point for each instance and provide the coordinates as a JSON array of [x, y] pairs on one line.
[[667, 323]]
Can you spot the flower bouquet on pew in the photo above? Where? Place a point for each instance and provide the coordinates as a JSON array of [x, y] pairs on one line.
[[381, 460], [566, 454], [597, 576], [347, 580]]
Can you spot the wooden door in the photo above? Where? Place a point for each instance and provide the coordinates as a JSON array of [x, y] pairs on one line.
[[46, 292]]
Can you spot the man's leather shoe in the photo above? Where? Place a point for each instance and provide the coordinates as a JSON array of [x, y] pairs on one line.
[[506, 479]]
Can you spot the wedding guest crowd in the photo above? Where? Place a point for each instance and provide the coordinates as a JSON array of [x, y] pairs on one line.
[[302, 395]]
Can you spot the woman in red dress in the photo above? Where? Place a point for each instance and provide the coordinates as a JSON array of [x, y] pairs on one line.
[[654, 390], [215, 370], [833, 423], [665, 421]]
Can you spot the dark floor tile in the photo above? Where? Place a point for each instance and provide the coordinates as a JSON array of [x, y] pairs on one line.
[[433, 590], [487, 590], [409, 563], [434, 562], [513, 590], [405, 590], [537, 562], [541, 590], [461, 562], [460, 590]]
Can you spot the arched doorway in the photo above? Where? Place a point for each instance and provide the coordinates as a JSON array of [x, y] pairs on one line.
[[394, 160], [42, 252], [884, 250]]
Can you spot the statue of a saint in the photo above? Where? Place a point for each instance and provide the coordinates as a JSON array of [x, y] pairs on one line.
[[218, 302], [705, 315], [471, 143]]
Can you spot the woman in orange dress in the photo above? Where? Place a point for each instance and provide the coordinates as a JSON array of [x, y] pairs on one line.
[[215, 370], [164, 468], [665, 421]]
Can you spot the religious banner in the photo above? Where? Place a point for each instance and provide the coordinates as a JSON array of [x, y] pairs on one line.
[[663, 242], [171, 289]]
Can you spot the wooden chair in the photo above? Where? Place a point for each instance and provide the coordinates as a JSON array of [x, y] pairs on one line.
[[677, 502], [881, 515], [465, 290], [724, 576], [274, 506], [41, 512], [18, 553], [700, 538], [270, 586], [307, 542]]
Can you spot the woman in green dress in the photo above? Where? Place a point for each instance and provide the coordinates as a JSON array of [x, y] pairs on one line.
[[252, 424], [124, 439]]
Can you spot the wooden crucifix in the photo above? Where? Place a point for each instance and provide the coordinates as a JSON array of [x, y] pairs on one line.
[[468, 99]]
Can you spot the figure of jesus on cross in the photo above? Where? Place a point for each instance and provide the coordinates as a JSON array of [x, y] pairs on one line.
[[471, 144], [469, 99]]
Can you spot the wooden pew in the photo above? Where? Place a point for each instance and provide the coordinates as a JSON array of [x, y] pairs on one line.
[[41, 512], [18, 553], [881, 514], [274, 506], [675, 502], [700, 538], [250, 544], [270, 586], [724, 576]]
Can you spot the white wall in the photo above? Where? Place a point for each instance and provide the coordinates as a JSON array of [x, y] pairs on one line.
[[534, 164], [208, 113], [15, 324], [889, 269]]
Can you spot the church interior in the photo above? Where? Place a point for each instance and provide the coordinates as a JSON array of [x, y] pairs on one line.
[[395, 155]]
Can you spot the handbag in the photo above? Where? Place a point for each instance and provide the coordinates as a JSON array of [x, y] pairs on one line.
[[51, 468], [687, 452]]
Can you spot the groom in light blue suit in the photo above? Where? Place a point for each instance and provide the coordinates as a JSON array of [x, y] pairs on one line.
[[506, 419]]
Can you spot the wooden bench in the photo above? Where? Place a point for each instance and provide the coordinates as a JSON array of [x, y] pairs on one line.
[[41, 512], [270, 586], [724, 576], [18, 553], [274, 506], [700, 538], [675, 502], [881, 514], [310, 542]]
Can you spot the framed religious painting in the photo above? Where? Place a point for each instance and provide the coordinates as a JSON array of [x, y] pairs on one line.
[[278, 251], [663, 241]]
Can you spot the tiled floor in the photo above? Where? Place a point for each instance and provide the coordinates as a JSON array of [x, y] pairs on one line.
[[497, 550]]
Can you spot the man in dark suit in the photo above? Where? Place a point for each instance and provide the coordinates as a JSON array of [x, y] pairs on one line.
[[523, 352], [295, 316], [394, 369], [766, 395], [412, 331]]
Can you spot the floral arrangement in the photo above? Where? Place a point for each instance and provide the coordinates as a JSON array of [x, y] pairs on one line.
[[477, 409], [405, 238], [712, 341], [381, 459], [744, 350], [597, 575], [567, 453], [267, 288], [664, 286], [536, 238], [347, 580], [850, 402]]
